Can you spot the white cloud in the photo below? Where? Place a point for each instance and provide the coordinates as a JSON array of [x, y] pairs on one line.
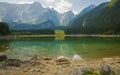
[[51, 1], [61, 5], [75, 12], [25, 2], [51, 7]]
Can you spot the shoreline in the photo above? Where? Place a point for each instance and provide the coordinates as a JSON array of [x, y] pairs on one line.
[[8, 37], [42, 35], [53, 66]]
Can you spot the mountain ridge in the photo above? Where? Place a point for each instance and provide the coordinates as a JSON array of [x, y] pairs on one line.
[[83, 12], [101, 20], [33, 13]]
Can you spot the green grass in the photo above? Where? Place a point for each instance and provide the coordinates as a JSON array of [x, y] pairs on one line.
[[112, 3]]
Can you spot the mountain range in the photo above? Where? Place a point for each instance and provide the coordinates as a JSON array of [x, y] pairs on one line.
[[32, 14], [101, 19], [45, 25]]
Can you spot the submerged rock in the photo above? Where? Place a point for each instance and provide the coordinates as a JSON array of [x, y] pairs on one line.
[[106, 70], [3, 57], [34, 57]]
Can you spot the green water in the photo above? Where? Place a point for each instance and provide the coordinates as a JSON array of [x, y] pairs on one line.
[[86, 47]]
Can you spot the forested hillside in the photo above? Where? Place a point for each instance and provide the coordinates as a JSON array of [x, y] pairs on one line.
[[104, 19]]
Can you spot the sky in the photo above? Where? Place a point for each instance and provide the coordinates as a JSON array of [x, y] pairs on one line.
[[61, 5]]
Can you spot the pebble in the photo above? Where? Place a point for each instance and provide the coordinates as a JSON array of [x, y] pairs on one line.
[[62, 60], [47, 58]]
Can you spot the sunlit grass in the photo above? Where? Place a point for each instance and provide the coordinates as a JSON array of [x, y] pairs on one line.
[[112, 3]]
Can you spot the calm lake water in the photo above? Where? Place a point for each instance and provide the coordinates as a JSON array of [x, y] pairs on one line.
[[86, 47]]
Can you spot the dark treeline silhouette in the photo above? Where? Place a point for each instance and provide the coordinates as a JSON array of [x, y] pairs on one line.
[[4, 29], [32, 32]]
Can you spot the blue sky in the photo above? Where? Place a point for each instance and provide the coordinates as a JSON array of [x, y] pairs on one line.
[[61, 5]]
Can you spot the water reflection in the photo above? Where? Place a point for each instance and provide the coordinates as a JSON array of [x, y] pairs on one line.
[[59, 35], [66, 50], [4, 45], [27, 48], [73, 48]]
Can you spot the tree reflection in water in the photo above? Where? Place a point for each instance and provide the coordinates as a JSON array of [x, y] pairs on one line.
[[4, 45]]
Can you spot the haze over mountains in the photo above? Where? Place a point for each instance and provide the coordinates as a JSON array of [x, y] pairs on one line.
[[32, 14]]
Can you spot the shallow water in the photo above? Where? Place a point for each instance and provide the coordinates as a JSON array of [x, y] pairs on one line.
[[85, 47]]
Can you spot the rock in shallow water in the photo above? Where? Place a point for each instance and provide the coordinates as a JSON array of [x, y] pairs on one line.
[[34, 57], [3, 57]]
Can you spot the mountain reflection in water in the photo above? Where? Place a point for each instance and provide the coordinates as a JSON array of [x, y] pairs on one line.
[[70, 47]]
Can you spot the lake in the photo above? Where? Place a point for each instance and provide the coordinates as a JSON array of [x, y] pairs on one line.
[[85, 47]]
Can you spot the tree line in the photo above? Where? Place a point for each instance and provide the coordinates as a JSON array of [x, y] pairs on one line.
[[4, 29]]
